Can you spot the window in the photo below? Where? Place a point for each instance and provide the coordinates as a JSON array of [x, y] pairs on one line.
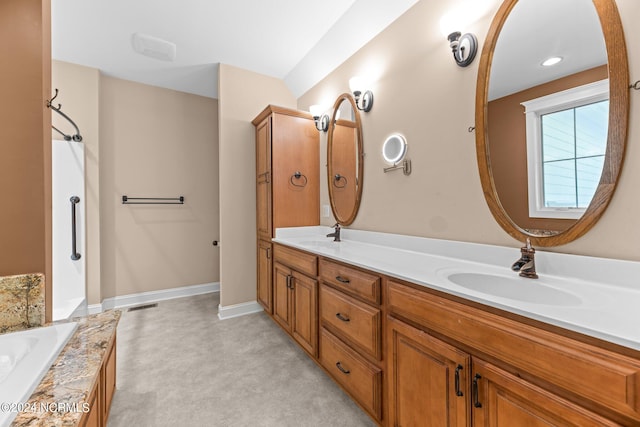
[[566, 144]]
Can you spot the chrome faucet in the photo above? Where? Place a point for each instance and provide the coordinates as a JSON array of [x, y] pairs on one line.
[[336, 233], [526, 265]]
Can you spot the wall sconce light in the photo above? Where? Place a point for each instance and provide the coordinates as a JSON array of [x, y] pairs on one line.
[[363, 96], [464, 47], [322, 120]]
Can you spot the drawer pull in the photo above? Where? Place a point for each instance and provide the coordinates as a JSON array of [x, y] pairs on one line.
[[476, 401], [344, 371], [342, 279], [341, 317], [457, 380]]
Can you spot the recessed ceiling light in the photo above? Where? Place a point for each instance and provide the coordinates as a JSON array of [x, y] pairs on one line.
[[551, 61], [153, 47]]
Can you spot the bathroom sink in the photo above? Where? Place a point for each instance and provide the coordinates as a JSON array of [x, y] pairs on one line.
[[514, 288], [320, 243]]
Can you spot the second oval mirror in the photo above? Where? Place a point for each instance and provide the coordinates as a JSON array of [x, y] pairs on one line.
[[551, 114], [344, 160]]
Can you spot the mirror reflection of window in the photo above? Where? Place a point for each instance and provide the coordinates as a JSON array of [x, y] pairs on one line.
[[573, 154], [566, 145]]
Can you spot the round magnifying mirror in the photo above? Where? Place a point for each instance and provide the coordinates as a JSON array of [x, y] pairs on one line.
[[394, 149]]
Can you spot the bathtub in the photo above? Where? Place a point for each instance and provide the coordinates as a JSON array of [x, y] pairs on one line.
[[25, 357]]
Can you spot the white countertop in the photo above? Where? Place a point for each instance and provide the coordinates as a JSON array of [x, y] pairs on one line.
[[594, 296]]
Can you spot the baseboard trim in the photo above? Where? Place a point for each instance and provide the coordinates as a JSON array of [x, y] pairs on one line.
[[237, 310], [81, 310], [131, 300]]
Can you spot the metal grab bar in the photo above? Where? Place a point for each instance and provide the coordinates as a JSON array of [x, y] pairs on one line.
[[126, 200], [74, 252]]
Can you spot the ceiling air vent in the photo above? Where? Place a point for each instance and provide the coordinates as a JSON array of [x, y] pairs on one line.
[[153, 47]]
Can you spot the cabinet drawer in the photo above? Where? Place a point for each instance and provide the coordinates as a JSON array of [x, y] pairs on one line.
[[351, 280], [352, 320], [360, 378], [300, 261], [602, 376]]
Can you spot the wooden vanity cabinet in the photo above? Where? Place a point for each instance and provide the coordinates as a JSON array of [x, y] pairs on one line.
[[93, 417], [101, 396], [500, 399], [295, 296], [536, 377], [287, 181], [265, 272], [351, 333], [108, 380], [428, 379]]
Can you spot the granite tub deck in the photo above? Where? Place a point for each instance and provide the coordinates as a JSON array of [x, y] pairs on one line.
[[21, 302], [73, 375]]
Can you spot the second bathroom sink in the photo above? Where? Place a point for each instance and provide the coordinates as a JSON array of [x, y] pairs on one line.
[[514, 288]]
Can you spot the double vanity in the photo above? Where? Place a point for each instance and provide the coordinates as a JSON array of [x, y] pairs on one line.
[[432, 332], [417, 329]]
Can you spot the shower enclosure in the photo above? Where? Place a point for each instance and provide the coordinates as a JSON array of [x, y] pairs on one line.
[[68, 204]]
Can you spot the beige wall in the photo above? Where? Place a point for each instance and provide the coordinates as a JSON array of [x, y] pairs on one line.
[[242, 95], [420, 92], [157, 143], [25, 144], [79, 90]]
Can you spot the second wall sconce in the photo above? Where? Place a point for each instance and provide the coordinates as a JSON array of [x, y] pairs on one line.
[[321, 119], [363, 96], [464, 47]]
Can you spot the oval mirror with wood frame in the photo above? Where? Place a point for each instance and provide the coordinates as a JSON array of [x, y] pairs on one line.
[[344, 160], [550, 139]]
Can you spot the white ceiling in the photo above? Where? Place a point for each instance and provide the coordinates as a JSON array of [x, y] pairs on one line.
[[295, 40]]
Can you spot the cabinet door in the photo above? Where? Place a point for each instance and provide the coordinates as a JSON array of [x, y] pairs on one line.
[[428, 379], [501, 399], [263, 180], [108, 382], [93, 417], [305, 312], [265, 270], [295, 148], [281, 298]]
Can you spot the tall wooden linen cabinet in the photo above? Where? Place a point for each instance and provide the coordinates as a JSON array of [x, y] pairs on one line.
[[287, 183]]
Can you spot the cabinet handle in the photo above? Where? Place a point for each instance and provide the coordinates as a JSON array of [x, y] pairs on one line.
[[457, 380], [342, 279], [288, 281], [476, 401], [341, 317], [344, 371], [268, 253]]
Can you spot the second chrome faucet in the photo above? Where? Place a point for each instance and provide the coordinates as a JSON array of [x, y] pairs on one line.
[[526, 265], [336, 233]]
